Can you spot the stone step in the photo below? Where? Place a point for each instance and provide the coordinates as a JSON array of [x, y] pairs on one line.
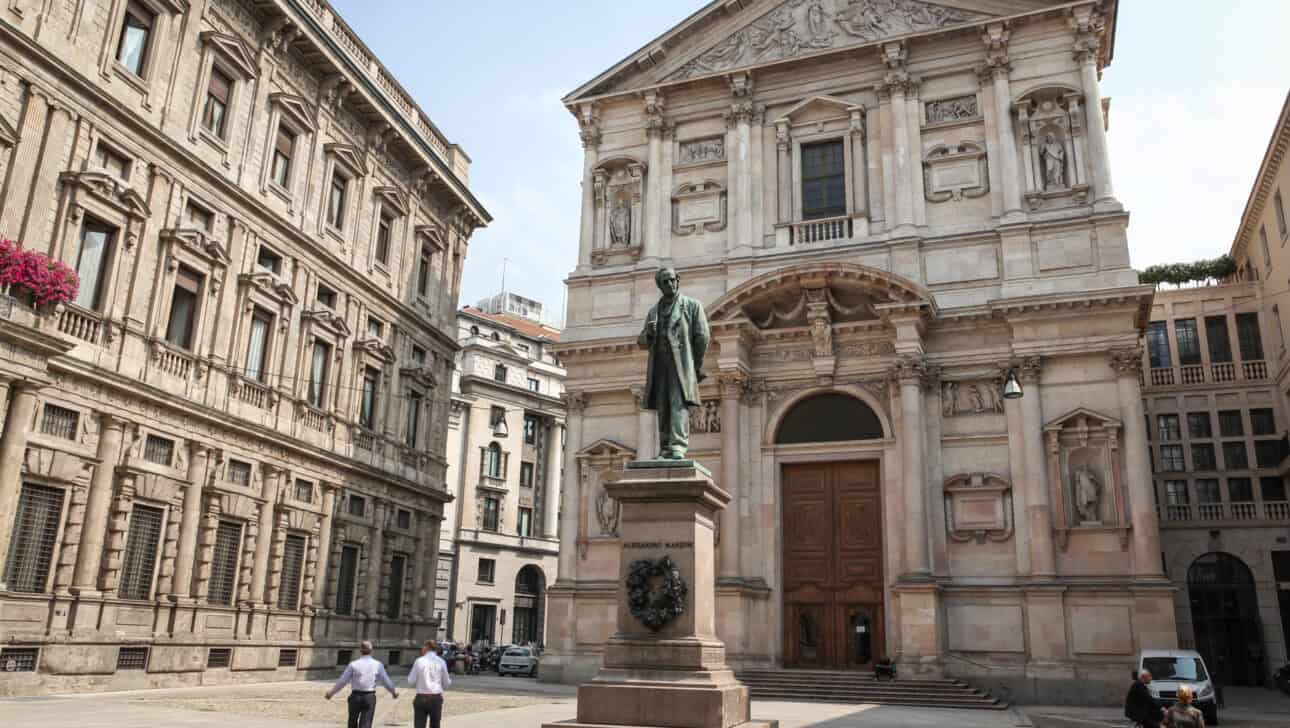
[[914, 702], [860, 687]]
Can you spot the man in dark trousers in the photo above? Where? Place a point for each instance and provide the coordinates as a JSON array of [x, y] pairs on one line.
[[1139, 706], [430, 678], [676, 335], [362, 676]]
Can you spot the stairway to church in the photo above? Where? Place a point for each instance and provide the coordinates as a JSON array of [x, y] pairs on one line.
[[860, 687]]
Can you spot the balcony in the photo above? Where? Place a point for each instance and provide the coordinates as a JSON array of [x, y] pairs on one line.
[[254, 393], [1214, 373], [80, 324], [819, 231], [1270, 513]]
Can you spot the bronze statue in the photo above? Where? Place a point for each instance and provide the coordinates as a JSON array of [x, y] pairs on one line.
[[676, 335]]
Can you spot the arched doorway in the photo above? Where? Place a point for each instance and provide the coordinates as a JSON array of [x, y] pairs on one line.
[[832, 558], [1225, 618], [530, 598]]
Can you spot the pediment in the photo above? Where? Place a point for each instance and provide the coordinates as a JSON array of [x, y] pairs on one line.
[[328, 320], [376, 348], [200, 244], [1082, 418], [433, 234], [295, 108], [819, 108], [348, 155], [422, 375], [233, 50], [8, 135], [271, 286], [606, 448], [393, 197]]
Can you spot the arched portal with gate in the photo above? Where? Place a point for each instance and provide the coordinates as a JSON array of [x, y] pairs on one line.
[[528, 612], [1225, 618]]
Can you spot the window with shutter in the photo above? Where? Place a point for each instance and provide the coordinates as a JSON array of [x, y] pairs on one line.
[[218, 92], [96, 244], [283, 148], [257, 346], [348, 572], [394, 597]]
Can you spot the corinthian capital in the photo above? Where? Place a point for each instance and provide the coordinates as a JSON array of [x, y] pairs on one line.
[[574, 401], [910, 369], [1126, 360], [589, 126], [1029, 369], [734, 382]]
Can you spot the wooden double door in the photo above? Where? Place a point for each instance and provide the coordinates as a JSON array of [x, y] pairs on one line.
[[833, 586]]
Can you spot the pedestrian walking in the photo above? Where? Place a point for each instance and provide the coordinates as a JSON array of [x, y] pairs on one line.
[[430, 677], [1139, 706], [363, 675], [1181, 714]]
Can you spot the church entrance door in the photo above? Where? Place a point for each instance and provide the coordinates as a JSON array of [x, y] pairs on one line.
[[833, 595]]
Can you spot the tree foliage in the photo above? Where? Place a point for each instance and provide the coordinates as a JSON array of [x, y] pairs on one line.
[[1194, 272]]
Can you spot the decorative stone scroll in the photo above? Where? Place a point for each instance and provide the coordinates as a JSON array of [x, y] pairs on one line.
[[978, 507], [1084, 470], [701, 151], [950, 111], [699, 207], [955, 172]]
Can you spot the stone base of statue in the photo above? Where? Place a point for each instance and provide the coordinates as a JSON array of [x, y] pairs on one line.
[[665, 667]]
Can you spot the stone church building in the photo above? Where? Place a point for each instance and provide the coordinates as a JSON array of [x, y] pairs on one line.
[[888, 208]]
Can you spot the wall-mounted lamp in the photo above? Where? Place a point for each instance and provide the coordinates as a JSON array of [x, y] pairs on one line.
[[1012, 387]]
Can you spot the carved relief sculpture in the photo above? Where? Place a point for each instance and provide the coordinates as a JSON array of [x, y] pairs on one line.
[[607, 512], [1053, 148], [966, 398], [706, 418], [699, 207], [978, 507], [700, 151], [961, 108], [620, 225]]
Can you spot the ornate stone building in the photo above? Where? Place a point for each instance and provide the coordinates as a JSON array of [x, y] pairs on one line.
[[505, 447], [887, 207], [226, 458]]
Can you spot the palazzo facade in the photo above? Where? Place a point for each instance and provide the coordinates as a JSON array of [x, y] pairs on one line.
[[225, 459], [887, 208]]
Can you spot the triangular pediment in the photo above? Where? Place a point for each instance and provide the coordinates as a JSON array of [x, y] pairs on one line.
[[605, 448], [8, 135], [1082, 417], [348, 155], [819, 108], [296, 109], [233, 50]]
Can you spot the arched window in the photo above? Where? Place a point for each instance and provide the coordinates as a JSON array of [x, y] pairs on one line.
[[530, 586], [1225, 621], [493, 460], [474, 331], [829, 417]]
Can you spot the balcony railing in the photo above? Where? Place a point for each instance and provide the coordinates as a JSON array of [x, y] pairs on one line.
[[1162, 377], [255, 394], [364, 440], [818, 231], [1194, 374], [80, 325], [1246, 511], [1215, 373], [1223, 372], [172, 362], [1254, 369]]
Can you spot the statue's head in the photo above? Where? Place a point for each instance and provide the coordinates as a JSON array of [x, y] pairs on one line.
[[667, 281]]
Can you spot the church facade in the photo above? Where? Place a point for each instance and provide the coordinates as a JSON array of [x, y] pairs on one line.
[[888, 208]]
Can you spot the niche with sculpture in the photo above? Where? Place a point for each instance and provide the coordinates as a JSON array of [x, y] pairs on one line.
[[619, 186], [1053, 146], [1085, 474], [598, 463]]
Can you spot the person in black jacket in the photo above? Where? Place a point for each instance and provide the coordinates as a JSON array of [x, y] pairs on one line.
[[1139, 706]]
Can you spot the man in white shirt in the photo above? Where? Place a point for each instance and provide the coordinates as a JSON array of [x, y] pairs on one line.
[[362, 676], [430, 676]]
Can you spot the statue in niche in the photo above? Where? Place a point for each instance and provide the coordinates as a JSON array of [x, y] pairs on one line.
[[1053, 156], [607, 511], [1088, 495], [620, 225], [950, 399], [822, 336]]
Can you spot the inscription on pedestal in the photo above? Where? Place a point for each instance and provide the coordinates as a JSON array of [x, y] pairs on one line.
[[659, 545]]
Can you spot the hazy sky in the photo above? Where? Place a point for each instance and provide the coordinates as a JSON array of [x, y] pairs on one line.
[[1195, 90]]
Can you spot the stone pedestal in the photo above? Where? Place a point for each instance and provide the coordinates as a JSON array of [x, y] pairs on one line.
[[671, 674]]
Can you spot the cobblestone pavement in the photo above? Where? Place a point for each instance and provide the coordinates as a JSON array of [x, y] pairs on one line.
[[1245, 708]]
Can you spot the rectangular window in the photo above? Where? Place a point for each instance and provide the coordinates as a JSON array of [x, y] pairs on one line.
[[1188, 341], [318, 367], [375, 327], [199, 217], [228, 548], [288, 658], [60, 422], [424, 264], [383, 233], [526, 475], [403, 519], [357, 506], [1267, 453], [91, 264], [1207, 491], [1158, 345], [183, 308], [267, 259], [525, 526], [35, 531], [1281, 213], [325, 296], [1220, 344], [219, 657], [1262, 422], [1176, 492], [824, 183], [347, 574], [111, 161], [1229, 423], [414, 419], [132, 658], [1167, 427], [1198, 425], [284, 143], [1235, 456], [487, 567], [344, 657], [395, 657], [1273, 489], [499, 373], [239, 473], [336, 200], [139, 563], [1202, 457], [136, 34], [491, 513], [159, 450], [418, 356], [1171, 459], [1263, 243], [257, 345], [1240, 490], [534, 385], [530, 430], [367, 406], [218, 92], [1247, 334], [293, 567], [394, 597], [304, 491]]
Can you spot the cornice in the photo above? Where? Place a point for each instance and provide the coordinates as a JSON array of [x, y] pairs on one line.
[[1264, 182]]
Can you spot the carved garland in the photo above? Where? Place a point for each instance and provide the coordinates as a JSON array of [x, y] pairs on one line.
[[656, 592]]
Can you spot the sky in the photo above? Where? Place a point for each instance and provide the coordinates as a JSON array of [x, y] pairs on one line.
[[1195, 88]]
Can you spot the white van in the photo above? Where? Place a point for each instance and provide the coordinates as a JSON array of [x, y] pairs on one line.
[[1173, 668]]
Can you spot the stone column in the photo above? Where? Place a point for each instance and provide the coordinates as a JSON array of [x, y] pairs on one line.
[[188, 525], [902, 172], [1127, 363], [997, 68], [784, 168], [89, 558], [273, 478], [551, 499], [570, 495], [590, 135], [646, 427], [732, 388], [654, 125], [739, 152], [1039, 515], [375, 558], [422, 578], [13, 450], [324, 544], [1017, 469], [1099, 154], [909, 373]]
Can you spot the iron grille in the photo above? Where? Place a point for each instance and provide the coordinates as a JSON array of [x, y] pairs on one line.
[[287, 658], [396, 657], [219, 657], [345, 580], [132, 658], [140, 553], [159, 450], [228, 543], [18, 659], [60, 422], [293, 562], [239, 473], [35, 533], [343, 657], [394, 599]]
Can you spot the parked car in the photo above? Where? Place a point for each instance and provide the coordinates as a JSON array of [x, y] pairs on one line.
[[1172, 668], [518, 661]]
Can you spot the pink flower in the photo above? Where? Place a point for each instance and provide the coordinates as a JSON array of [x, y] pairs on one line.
[[48, 282]]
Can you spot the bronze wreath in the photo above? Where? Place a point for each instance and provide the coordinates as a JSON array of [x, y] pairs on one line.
[[656, 592]]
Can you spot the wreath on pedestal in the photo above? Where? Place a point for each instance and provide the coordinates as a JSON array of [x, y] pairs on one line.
[[656, 591]]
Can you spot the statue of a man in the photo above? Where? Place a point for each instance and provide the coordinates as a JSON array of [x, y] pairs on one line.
[[1088, 495], [1054, 158], [620, 225], [676, 335]]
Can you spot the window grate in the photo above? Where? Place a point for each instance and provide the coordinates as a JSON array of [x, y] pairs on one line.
[[293, 561], [287, 658], [159, 450], [132, 658], [344, 657], [396, 657], [18, 659], [239, 473], [228, 542], [219, 657], [394, 598], [35, 533], [140, 553], [345, 580], [60, 422]]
